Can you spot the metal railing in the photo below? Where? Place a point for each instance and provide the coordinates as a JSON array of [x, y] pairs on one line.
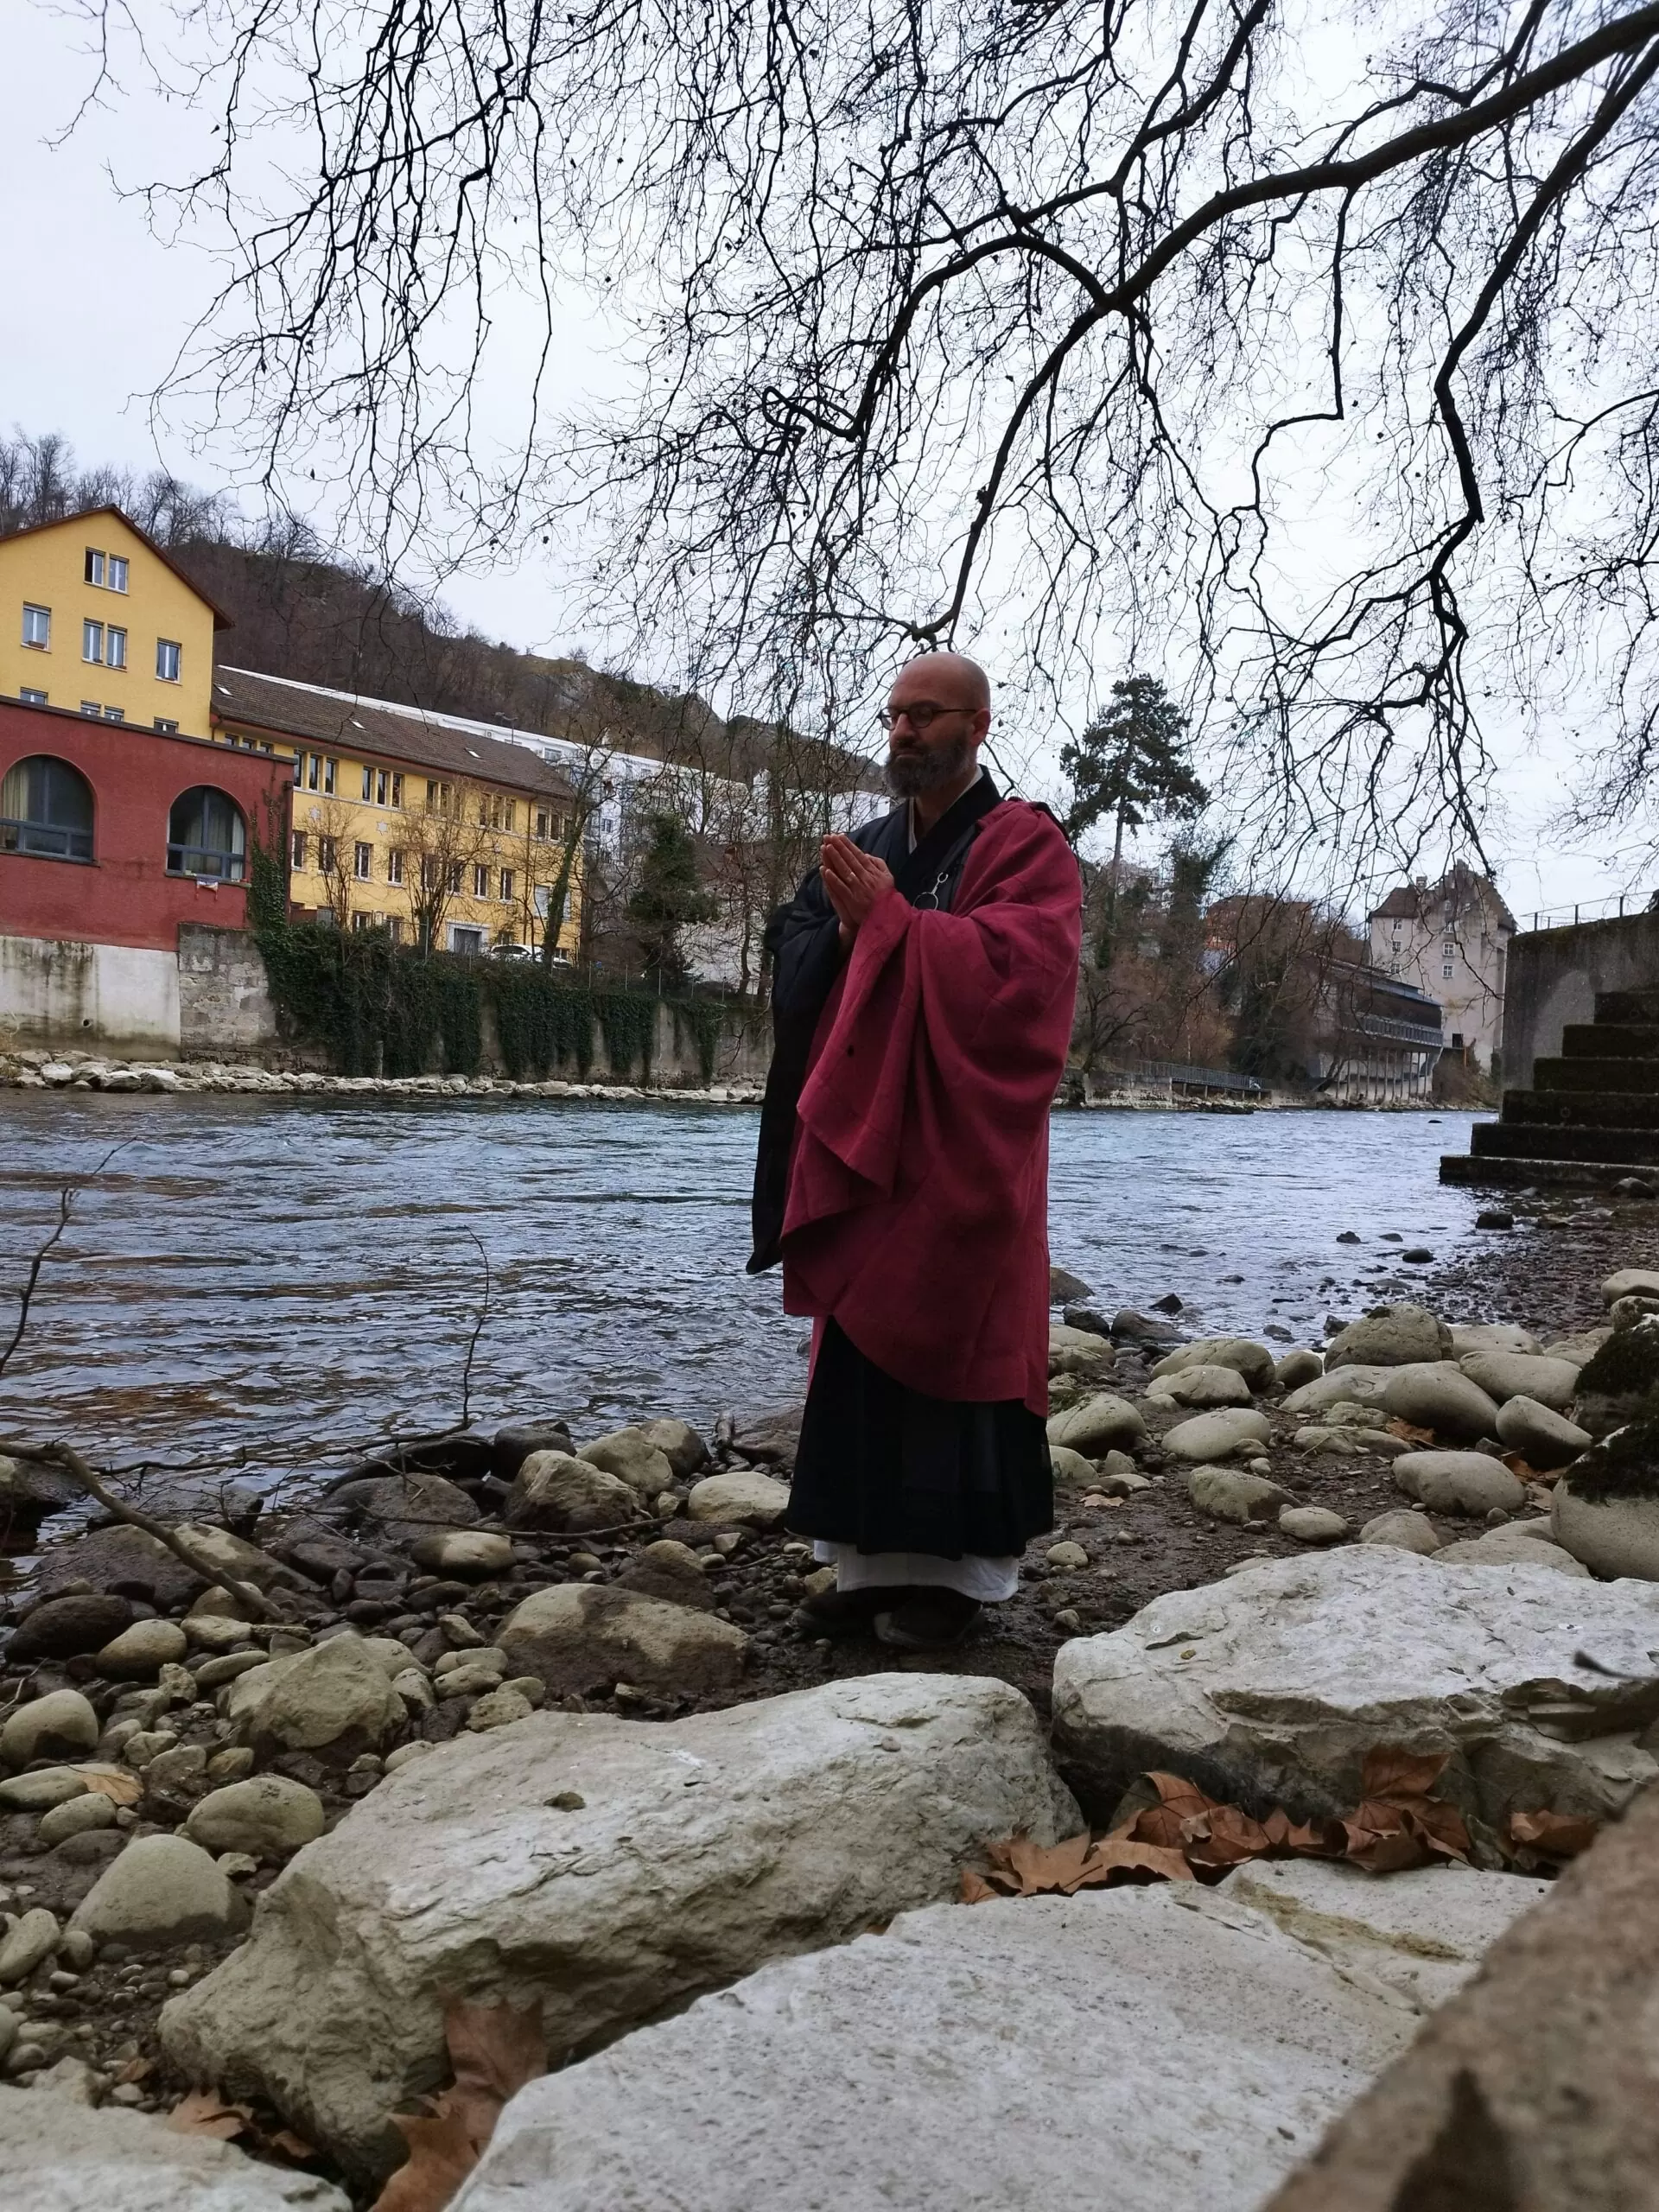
[[1593, 910], [1406, 1033], [1196, 1078]]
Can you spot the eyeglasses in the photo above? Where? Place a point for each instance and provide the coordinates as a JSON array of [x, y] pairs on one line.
[[921, 716]]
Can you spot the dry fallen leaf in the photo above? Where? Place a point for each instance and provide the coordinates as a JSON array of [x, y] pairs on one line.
[[1412, 1435], [289, 2145], [136, 2070], [442, 2153], [1551, 1835], [117, 1783], [494, 2050], [202, 2112], [1188, 1835]]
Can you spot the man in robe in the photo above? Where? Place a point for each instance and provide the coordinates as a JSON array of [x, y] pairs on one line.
[[923, 984]]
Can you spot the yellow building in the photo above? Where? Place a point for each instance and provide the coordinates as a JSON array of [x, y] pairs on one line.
[[422, 823], [94, 615]]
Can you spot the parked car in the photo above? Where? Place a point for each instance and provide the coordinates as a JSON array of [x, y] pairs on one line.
[[511, 952]]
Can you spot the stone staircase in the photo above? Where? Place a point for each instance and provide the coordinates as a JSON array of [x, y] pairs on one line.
[[1592, 1115]]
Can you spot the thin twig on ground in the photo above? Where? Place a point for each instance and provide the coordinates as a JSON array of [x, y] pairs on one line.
[[183, 1548]]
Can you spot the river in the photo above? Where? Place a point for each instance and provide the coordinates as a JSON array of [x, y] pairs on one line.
[[271, 1278]]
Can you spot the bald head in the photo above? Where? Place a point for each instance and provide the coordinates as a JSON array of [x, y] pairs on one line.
[[938, 711], [950, 677]]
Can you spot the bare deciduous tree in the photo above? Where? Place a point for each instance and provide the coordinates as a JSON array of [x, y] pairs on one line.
[[1328, 377]]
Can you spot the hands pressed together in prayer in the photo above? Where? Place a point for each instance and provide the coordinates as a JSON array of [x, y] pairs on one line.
[[853, 879]]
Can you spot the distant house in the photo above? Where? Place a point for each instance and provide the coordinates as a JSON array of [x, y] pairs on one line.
[[385, 795], [1379, 1038], [1450, 940], [96, 618]]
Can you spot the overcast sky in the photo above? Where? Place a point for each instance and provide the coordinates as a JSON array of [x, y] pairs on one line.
[[96, 307]]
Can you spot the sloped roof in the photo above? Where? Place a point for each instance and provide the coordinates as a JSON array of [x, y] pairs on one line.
[[1464, 885], [221, 619], [377, 729]]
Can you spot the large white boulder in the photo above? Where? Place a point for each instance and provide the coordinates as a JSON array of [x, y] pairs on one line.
[[609, 1868], [1158, 2049], [1272, 1685], [59, 2156]]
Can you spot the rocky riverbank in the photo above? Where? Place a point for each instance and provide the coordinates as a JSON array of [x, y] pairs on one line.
[[83, 1071], [430, 1677]]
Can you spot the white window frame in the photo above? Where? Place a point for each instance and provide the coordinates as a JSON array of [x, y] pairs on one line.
[[115, 713], [368, 783], [115, 647], [93, 567], [31, 697], [167, 727], [43, 643], [118, 573], [330, 774], [362, 861], [92, 708], [91, 642], [480, 879], [395, 865], [505, 882], [169, 661]]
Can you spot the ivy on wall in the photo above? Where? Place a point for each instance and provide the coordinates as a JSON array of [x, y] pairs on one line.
[[378, 1009]]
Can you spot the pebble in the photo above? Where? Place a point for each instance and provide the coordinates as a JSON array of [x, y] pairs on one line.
[[76, 1816], [161, 1889], [1070, 1558], [267, 1816], [1312, 1524], [459, 1632], [63, 1722], [498, 1708], [140, 1651], [40, 1791], [34, 1938], [149, 1744]]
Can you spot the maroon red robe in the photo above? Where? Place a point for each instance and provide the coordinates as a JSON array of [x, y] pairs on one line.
[[917, 1189]]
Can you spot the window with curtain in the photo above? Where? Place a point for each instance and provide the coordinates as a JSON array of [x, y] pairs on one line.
[[206, 835], [46, 808]]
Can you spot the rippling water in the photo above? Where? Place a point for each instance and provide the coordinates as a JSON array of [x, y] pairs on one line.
[[252, 1273]]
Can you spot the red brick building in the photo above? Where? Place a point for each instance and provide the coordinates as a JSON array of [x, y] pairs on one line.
[[112, 838]]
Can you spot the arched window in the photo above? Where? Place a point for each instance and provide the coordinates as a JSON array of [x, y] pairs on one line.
[[205, 835], [46, 807]]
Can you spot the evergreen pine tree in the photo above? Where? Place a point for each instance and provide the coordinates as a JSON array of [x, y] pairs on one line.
[[667, 898]]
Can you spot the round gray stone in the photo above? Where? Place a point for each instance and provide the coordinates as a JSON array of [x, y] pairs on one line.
[[267, 1815], [61, 1723], [1459, 1482], [140, 1652], [161, 1889]]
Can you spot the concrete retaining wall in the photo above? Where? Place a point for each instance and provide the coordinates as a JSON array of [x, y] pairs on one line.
[[1554, 977], [115, 997], [209, 1001]]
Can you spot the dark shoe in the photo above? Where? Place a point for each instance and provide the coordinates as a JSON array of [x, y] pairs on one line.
[[844, 1612], [928, 1619]]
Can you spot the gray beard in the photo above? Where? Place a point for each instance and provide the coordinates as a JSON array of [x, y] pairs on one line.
[[909, 774]]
